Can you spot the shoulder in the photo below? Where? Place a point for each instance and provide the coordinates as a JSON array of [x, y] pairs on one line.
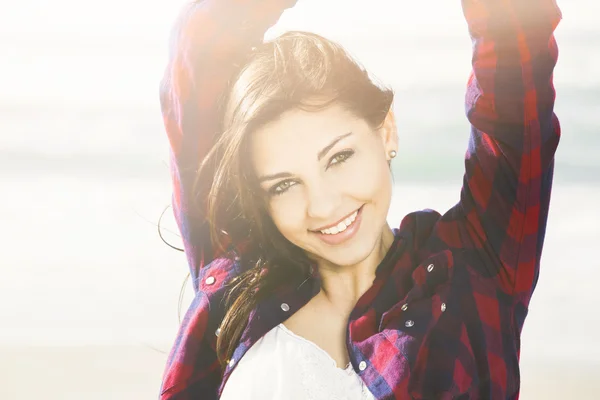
[[419, 226], [212, 285], [208, 307], [213, 278], [192, 367]]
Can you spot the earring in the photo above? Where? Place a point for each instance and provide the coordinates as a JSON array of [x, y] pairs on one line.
[[392, 153]]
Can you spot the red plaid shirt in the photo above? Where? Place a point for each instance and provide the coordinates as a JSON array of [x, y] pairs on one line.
[[444, 315]]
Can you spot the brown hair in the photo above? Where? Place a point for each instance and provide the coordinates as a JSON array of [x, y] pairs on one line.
[[296, 70]]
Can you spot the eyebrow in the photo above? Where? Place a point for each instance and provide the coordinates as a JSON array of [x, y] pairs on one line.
[[320, 156], [326, 149], [265, 178]]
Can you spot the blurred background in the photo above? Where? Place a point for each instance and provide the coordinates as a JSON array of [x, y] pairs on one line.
[[89, 293]]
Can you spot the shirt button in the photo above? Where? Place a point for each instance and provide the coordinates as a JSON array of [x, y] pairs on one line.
[[285, 307], [409, 323], [210, 280], [405, 307], [443, 307], [430, 268], [362, 366]]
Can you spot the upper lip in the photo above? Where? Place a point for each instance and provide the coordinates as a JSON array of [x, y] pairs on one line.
[[336, 223]]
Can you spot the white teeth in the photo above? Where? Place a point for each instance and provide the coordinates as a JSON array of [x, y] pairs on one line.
[[352, 217], [342, 226]]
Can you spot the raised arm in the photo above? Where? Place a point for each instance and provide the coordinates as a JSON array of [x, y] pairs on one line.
[[514, 135], [210, 40]]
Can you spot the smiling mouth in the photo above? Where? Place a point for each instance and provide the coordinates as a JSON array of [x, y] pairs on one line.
[[341, 226]]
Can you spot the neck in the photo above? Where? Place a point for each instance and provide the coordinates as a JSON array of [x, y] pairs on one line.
[[344, 285]]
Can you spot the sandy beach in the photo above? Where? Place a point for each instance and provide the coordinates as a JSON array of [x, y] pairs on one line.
[[133, 373]]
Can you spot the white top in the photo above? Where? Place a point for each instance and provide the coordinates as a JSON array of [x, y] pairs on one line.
[[283, 365]]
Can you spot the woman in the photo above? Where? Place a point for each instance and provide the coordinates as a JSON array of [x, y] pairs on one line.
[[281, 155]]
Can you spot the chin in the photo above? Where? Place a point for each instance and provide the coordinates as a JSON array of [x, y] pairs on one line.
[[352, 254]]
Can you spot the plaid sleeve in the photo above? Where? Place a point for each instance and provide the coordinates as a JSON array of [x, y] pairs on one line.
[[209, 41], [192, 367], [514, 135]]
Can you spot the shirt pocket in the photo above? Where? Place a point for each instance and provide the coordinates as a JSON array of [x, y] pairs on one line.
[[425, 300], [428, 329]]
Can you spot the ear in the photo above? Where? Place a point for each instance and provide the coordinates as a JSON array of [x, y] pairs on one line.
[[389, 134]]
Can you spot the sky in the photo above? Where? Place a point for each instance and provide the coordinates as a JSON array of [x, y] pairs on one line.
[[135, 18], [112, 53]]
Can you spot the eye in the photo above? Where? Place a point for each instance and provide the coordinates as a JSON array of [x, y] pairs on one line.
[[340, 157], [281, 187]]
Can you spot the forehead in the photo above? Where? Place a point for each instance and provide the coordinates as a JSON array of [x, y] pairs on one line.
[[299, 133]]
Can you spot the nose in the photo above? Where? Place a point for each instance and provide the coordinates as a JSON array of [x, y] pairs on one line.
[[323, 202]]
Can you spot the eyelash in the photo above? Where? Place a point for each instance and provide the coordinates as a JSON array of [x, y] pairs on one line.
[[341, 157], [346, 155]]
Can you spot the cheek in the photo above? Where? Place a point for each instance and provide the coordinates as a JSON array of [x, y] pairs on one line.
[[368, 178], [287, 213]]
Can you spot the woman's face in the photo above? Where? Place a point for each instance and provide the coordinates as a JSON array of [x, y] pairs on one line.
[[327, 181]]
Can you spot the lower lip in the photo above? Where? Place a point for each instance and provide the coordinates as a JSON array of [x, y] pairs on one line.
[[341, 237]]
